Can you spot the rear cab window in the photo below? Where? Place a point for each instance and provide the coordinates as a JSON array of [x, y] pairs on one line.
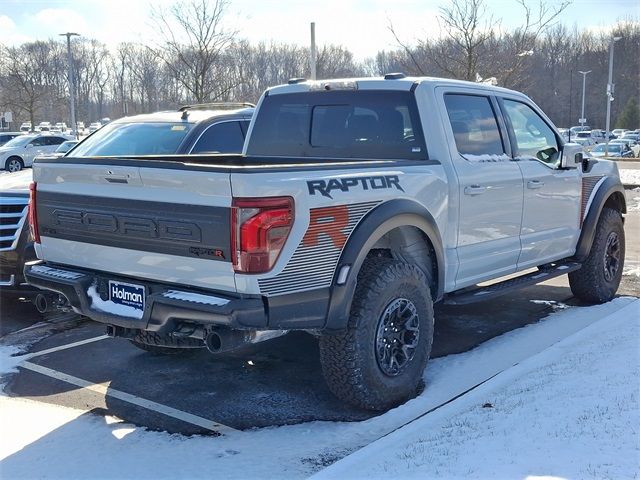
[[361, 124]]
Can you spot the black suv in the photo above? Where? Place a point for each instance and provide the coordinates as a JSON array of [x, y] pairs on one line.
[[16, 246], [193, 129]]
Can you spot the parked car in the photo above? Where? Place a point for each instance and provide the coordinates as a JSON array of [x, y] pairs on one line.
[[16, 244], [579, 128], [337, 220], [94, 126], [25, 127], [633, 136], [584, 138], [618, 132], [196, 129], [599, 136], [20, 152], [615, 150], [6, 136], [44, 127], [628, 142]]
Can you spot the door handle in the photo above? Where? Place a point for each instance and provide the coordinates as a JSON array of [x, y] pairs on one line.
[[533, 184], [474, 190]]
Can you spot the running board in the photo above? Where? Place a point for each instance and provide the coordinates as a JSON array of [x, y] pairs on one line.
[[480, 294]]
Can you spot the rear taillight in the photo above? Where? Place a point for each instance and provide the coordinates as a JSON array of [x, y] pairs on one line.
[[33, 217], [259, 230]]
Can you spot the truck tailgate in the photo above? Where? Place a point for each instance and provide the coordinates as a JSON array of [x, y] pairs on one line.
[[166, 224]]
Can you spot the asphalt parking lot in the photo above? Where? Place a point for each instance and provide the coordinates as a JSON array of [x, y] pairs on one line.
[[277, 382]]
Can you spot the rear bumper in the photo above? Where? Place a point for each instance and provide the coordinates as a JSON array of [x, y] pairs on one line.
[[166, 307]]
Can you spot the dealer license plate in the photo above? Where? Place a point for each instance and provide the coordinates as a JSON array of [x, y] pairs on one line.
[[128, 295]]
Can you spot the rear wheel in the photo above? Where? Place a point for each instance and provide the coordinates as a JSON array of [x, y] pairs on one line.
[[377, 363], [13, 164], [599, 278], [166, 345]]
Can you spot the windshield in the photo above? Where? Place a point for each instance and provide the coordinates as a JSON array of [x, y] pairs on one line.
[[339, 124], [18, 141], [134, 139]]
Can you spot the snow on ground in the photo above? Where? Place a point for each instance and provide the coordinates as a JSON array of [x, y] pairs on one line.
[[629, 176], [633, 200], [42, 440], [571, 411]]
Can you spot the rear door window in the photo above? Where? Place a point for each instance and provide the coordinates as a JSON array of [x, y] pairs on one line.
[[339, 125], [475, 127], [224, 137]]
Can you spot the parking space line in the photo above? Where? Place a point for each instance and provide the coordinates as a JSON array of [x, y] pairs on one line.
[[127, 397], [68, 345]]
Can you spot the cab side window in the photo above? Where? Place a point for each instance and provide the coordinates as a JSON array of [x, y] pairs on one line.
[[225, 137], [533, 137], [38, 142], [475, 127]]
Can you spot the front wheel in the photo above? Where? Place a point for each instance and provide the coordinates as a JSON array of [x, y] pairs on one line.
[[13, 164], [598, 279], [377, 363]]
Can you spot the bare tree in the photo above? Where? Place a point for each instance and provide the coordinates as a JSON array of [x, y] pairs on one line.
[[194, 43], [25, 77]]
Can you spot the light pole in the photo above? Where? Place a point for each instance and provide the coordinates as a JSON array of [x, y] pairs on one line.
[[610, 89], [74, 127], [584, 82], [313, 50]]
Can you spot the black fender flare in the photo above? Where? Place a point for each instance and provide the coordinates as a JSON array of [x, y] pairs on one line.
[[607, 190], [379, 221]]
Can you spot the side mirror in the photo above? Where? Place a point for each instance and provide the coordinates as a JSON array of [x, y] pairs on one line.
[[572, 155]]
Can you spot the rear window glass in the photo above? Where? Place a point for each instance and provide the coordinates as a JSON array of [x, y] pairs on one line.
[[339, 124], [134, 139]]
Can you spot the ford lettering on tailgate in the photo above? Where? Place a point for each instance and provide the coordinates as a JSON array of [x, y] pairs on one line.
[[200, 231]]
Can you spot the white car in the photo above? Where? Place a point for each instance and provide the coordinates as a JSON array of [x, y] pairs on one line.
[[583, 138], [20, 152], [94, 126], [618, 132]]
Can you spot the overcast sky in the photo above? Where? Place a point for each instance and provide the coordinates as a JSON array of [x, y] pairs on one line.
[[360, 25]]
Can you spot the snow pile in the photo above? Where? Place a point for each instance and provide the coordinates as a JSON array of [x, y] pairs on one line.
[[111, 307], [633, 203], [629, 176], [486, 158], [572, 411]]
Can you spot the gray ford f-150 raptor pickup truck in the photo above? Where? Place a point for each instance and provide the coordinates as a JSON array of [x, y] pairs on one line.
[[355, 206]]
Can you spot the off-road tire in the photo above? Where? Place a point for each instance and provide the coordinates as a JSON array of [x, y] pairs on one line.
[[165, 345], [14, 162], [589, 283], [349, 362]]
